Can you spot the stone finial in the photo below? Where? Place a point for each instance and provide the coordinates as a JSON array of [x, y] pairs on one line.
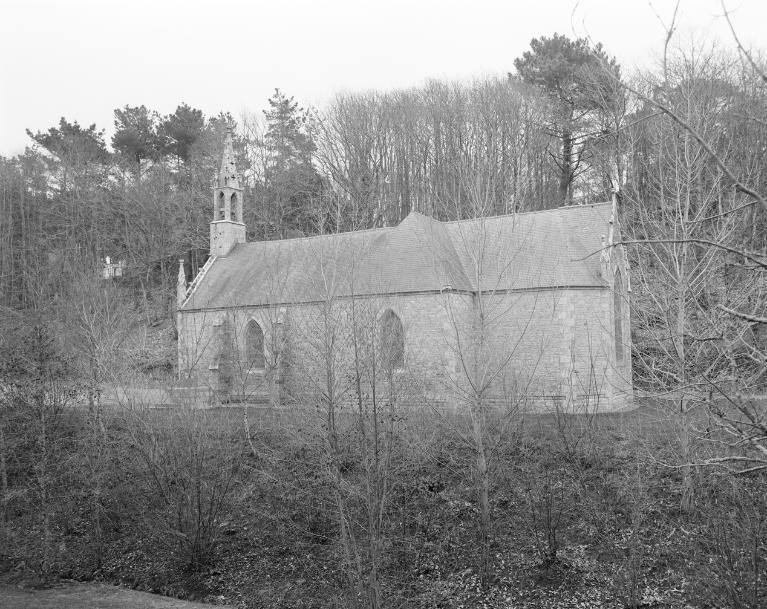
[[604, 258], [611, 230], [181, 283], [613, 217]]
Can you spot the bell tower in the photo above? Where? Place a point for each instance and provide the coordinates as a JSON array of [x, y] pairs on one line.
[[227, 227]]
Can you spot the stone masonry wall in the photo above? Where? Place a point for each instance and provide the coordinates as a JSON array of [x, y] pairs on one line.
[[540, 348], [559, 348], [211, 345]]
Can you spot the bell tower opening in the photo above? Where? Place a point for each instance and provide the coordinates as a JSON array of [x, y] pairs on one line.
[[227, 229]]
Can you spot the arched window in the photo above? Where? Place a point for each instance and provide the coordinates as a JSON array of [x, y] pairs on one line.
[[392, 341], [618, 316], [233, 208], [254, 346], [221, 206]]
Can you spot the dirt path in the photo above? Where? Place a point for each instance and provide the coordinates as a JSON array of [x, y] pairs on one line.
[[76, 595]]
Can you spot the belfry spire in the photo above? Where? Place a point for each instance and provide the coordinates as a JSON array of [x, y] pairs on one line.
[[227, 228], [227, 173]]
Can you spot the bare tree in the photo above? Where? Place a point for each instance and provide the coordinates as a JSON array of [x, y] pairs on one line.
[[349, 370], [187, 461], [37, 391], [389, 154], [702, 240]]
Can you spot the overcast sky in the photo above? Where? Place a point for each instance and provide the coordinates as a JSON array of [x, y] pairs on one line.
[[83, 58]]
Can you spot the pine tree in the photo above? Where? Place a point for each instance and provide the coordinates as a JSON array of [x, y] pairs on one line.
[[135, 137], [574, 76], [292, 185], [180, 130]]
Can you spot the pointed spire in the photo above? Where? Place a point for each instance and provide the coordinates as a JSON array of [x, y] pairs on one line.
[[227, 175], [227, 229]]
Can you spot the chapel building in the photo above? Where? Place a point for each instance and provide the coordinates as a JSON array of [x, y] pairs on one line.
[[529, 309]]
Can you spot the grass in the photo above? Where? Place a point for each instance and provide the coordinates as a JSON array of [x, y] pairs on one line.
[[75, 595]]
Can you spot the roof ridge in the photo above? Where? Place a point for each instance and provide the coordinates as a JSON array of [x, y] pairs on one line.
[[525, 213], [308, 237], [429, 218]]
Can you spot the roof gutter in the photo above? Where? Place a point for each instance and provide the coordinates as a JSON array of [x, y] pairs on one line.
[[446, 290]]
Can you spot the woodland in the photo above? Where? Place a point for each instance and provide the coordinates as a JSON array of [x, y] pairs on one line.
[[324, 505]]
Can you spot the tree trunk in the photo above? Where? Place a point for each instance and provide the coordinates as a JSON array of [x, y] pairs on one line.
[[688, 482], [688, 486], [3, 483], [483, 480], [566, 170]]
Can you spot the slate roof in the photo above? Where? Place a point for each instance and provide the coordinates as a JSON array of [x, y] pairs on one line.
[[545, 249]]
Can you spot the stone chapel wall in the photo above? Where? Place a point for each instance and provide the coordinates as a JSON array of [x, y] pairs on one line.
[[542, 347]]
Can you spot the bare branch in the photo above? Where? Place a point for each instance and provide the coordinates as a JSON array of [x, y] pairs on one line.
[[748, 256], [739, 186], [665, 109], [742, 49], [724, 213], [746, 316]]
